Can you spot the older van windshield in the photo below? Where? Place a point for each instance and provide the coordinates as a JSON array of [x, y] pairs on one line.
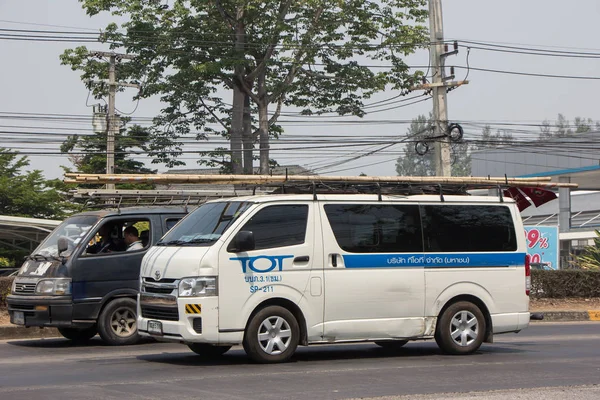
[[74, 229]]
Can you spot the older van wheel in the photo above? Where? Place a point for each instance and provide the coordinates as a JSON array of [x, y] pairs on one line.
[[391, 344], [117, 323], [208, 351], [272, 335], [78, 334], [460, 329]]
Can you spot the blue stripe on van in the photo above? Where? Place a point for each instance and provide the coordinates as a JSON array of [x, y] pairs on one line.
[[433, 260]]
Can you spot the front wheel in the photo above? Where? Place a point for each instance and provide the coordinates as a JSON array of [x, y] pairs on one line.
[[461, 328], [78, 334], [208, 351], [272, 335], [117, 323]]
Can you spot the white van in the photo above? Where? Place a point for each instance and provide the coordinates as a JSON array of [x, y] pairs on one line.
[[275, 271]]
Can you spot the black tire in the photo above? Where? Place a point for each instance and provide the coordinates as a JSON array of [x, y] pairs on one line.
[[279, 331], [460, 329], [117, 323], [391, 344], [79, 334], [208, 351]]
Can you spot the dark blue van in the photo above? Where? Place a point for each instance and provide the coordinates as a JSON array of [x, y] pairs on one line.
[[84, 277]]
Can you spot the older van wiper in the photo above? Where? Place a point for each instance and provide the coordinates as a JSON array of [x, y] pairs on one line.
[[41, 257]]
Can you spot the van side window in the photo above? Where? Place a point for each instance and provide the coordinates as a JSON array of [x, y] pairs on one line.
[[278, 226], [171, 222], [381, 228], [119, 236], [469, 228]]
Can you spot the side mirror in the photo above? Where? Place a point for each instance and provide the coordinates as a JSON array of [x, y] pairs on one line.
[[243, 241], [63, 244]]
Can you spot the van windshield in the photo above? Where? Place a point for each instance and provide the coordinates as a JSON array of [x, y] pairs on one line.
[[74, 229], [205, 225]]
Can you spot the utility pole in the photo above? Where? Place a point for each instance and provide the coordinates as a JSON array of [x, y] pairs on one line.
[[440, 107], [113, 120], [440, 83]]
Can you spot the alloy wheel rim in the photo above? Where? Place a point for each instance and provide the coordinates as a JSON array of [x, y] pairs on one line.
[[464, 328], [123, 322], [274, 335]]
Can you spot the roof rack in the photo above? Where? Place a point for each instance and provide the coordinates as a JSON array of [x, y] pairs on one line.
[[264, 184]]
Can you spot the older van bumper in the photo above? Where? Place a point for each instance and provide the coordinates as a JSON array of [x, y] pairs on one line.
[[55, 311], [190, 320]]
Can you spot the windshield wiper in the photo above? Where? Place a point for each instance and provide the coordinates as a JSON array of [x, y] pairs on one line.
[[40, 257], [171, 243], [199, 240]]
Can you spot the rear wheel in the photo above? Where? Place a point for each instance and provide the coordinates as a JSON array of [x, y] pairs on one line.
[[79, 334], [117, 323], [208, 351], [391, 344], [272, 335], [461, 328]]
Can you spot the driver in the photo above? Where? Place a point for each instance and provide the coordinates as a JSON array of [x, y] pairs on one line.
[[106, 243]]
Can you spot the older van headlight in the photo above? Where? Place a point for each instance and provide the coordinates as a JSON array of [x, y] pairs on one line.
[[198, 286], [59, 286]]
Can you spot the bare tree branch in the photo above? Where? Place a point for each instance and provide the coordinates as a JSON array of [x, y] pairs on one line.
[[283, 9], [299, 55], [211, 111], [226, 16]]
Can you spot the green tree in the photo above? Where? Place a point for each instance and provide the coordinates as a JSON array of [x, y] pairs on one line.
[[491, 140], [411, 163], [313, 54], [563, 128], [88, 153], [28, 194]]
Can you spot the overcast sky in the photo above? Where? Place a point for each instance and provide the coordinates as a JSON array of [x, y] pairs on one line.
[[33, 81]]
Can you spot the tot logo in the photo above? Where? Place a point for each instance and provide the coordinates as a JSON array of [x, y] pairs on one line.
[[276, 263]]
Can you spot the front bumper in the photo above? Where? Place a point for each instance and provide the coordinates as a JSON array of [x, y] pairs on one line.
[[56, 311], [196, 319]]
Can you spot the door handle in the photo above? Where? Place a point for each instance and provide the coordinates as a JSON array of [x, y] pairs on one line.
[[301, 259]]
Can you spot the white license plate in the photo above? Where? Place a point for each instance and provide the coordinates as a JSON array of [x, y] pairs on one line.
[[155, 328], [19, 318]]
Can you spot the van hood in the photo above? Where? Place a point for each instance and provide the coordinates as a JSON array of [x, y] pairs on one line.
[[170, 262], [43, 269]]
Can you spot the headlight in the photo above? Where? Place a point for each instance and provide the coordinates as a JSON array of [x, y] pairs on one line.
[[198, 286], [13, 288], [53, 286]]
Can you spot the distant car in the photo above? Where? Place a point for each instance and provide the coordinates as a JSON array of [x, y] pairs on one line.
[[8, 271], [541, 266]]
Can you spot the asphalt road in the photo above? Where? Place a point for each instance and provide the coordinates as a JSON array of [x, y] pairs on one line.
[[548, 360]]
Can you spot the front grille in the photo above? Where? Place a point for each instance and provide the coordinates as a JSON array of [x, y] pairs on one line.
[[164, 313], [25, 288], [164, 286], [21, 307], [158, 290], [152, 280], [197, 325]]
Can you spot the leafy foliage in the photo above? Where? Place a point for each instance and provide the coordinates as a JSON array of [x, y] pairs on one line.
[[5, 284], [28, 194], [590, 258], [316, 55], [565, 283], [88, 153], [563, 128]]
